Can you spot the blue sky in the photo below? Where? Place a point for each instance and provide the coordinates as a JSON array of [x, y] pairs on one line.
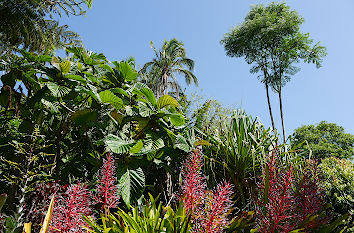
[[120, 29]]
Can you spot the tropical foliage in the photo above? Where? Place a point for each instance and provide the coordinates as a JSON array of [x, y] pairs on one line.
[[30, 24], [93, 145]]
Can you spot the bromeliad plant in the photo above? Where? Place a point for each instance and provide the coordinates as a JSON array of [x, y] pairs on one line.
[[238, 147]]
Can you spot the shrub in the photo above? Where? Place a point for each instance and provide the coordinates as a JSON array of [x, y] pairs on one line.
[[338, 183]]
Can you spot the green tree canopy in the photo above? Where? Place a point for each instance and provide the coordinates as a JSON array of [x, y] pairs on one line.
[[270, 40], [325, 140]]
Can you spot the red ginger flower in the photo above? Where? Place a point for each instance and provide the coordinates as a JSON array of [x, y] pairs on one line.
[[208, 210], [107, 191], [217, 207], [275, 213], [193, 186], [69, 209]]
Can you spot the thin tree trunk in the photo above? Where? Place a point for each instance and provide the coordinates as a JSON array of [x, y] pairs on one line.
[[165, 84], [269, 106], [281, 114]]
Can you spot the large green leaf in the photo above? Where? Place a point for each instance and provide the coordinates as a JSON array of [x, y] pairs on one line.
[[56, 90], [177, 119], [166, 100], [107, 67], [127, 71], [182, 144], [137, 147], [110, 98], [144, 110], [65, 67], [118, 145], [76, 78], [131, 184], [147, 92], [83, 116]]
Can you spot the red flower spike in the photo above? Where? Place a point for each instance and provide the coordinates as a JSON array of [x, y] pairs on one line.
[[217, 209], [107, 191], [193, 186], [208, 209], [309, 197], [69, 209], [275, 213]]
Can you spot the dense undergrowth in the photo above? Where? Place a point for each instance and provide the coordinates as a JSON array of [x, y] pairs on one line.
[[93, 145]]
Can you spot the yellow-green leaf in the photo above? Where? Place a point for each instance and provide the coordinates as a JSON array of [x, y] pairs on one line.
[[65, 67], [166, 100], [48, 217], [137, 147]]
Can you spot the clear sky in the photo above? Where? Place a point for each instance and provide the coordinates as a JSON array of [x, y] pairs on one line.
[[120, 29]]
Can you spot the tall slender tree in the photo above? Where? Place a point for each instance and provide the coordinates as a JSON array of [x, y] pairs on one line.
[[171, 60], [271, 40]]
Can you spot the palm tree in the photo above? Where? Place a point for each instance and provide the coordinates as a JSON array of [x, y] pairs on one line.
[[29, 24], [160, 73]]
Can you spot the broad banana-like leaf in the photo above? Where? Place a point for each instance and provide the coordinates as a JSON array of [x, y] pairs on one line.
[[48, 217], [131, 184], [166, 100]]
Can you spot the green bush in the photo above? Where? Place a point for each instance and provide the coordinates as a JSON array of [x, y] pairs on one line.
[[338, 183]]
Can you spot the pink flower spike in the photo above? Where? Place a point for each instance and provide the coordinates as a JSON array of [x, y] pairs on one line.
[[107, 191], [69, 209], [221, 204], [193, 186]]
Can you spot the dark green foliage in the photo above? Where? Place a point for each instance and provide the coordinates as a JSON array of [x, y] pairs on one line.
[[325, 140], [84, 106], [28, 24], [238, 146]]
